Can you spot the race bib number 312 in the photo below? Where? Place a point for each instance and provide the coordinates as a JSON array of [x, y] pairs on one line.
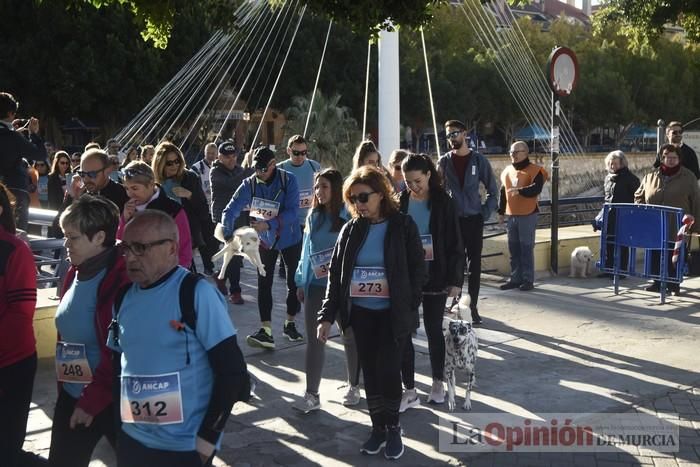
[[369, 282], [154, 400]]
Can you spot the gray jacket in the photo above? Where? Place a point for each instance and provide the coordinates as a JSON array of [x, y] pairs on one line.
[[224, 183], [467, 197]]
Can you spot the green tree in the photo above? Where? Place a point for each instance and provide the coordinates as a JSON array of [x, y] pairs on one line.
[[332, 133]]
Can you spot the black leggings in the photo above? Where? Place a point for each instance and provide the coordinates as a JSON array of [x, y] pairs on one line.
[[380, 358], [73, 447], [433, 309], [269, 258], [16, 384], [472, 228]]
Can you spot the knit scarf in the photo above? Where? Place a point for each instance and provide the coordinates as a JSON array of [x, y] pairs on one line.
[[669, 171]]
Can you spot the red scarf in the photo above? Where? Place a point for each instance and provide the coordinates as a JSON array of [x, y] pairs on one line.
[[669, 171]]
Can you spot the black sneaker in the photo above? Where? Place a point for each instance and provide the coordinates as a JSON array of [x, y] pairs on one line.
[[375, 443], [261, 339], [394, 444], [476, 318], [525, 286], [655, 287], [509, 285], [290, 331]]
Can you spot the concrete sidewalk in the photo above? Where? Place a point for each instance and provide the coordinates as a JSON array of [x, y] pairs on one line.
[[570, 345]]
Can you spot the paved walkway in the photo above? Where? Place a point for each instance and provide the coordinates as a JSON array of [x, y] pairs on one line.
[[570, 345]]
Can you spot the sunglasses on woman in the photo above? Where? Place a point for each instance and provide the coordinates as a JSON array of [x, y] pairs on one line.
[[361, 197], [172, 163]]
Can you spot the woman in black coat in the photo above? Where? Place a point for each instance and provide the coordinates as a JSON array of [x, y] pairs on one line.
[[376, 275], [620, 185], [434, 212]]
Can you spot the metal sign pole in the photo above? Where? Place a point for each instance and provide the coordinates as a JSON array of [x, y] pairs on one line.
[[554, 150]]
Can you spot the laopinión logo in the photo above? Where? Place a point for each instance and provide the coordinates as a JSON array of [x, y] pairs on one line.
[[558, 432]]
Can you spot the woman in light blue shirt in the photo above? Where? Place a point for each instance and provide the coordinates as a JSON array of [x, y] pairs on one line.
[[323, 224]]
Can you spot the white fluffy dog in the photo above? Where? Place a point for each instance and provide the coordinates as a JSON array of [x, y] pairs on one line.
[[461, 347], [245, 243], [581, 262]]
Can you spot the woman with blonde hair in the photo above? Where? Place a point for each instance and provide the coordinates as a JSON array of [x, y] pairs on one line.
[[144, 193], [376, 275], [184, 187]]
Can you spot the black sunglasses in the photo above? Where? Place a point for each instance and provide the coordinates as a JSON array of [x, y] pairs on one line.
[[361, 198], [300, 153], [453, 134], [172, 162], [89, 173], [139, 249]]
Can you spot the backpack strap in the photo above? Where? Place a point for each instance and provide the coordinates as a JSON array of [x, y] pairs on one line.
[[187, 289], [114, 325]]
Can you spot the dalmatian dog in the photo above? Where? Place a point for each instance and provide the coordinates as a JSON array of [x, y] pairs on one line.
[[581, 262], [461, 346], [245, 242]]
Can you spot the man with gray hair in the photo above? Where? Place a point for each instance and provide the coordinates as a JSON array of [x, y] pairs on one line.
[[521, 184], [181, 369], [203, 167]]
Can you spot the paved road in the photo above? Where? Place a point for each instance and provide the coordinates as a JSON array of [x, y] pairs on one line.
[[570, 345]]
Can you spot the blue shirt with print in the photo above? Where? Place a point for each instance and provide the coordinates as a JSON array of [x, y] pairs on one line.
[[151, 345], [75, 322]]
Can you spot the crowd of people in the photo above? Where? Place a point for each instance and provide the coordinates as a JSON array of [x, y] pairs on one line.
[[147, 354]]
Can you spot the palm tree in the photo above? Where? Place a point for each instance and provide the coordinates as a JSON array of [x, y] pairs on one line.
[[332, 133]]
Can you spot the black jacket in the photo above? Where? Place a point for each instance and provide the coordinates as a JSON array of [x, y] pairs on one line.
[[224, 183], [620, 186], [688, 158], [55, 189], [405, 272], [197, 209], [13, 148], [447, 267]]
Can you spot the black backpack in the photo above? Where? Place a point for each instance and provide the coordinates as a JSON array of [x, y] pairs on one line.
[[188, 317]]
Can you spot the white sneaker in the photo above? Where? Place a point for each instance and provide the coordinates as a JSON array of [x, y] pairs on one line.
[[308, 404], [409, 399], [437, 392], [352, 397]]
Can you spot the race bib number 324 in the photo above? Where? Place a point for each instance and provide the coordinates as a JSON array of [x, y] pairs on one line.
[[154, 400]]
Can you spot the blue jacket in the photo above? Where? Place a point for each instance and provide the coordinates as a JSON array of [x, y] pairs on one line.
[[284, 228], [304, 273], [467, 197]]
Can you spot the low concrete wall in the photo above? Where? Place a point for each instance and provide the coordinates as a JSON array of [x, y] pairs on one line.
[[44, 324], [569, 238]]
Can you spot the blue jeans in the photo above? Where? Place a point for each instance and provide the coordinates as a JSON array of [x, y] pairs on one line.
[[521, 244]]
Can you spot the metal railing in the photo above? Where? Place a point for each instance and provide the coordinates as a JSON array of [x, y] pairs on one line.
[[49, 253]]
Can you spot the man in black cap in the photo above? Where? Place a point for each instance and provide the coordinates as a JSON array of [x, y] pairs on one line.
[[273, 197], [225, 177]]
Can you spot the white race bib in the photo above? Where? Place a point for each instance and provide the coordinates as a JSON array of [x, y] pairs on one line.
[[427, 241], [369, 282], [320, 263], [264, 209], [154, 400], [72, 364], [306, 197]]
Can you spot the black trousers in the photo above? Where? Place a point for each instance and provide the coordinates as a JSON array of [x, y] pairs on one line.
[[380, 356], [16, 384], [131, 453], [433, 309], [233, 274], [73, 447], [269, 258], [472, 228]]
